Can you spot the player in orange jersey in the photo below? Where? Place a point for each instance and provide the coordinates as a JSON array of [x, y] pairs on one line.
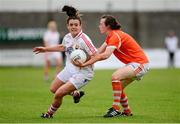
[[125, 48]]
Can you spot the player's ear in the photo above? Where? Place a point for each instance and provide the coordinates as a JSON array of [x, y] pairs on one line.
[[108, 27]]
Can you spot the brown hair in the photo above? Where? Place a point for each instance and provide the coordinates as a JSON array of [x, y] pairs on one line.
[[111, 21], [72, 13]]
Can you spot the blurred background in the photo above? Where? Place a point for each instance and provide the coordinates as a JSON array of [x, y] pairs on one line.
[[23, 23], [24, 84]]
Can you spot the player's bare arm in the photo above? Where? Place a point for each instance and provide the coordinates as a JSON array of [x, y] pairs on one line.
[[102, 48], [98, 57], [49, 49]]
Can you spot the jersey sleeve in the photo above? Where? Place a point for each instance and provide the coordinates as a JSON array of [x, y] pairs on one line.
[[114, 41], [88, 46]]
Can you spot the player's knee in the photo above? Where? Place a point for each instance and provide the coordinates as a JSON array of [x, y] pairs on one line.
[[114, 78], [60, 94], [52, 90]]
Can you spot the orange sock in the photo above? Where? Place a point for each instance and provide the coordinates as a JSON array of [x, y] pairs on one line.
[[124, 103], [117, 90]]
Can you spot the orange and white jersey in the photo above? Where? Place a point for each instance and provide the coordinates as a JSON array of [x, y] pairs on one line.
[[127, 50]]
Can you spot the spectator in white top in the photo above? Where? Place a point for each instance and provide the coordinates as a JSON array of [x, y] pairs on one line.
[[171, 43], [51, 38]]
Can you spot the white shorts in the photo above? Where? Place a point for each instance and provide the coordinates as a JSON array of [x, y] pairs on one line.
[[53, 55], [77, 79], [139, 69]]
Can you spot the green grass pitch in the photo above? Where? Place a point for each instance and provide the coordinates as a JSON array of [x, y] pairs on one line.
[[24, 95]]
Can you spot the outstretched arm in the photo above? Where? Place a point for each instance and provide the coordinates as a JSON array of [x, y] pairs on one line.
[[102, 48], [98, 57], [49, 49]]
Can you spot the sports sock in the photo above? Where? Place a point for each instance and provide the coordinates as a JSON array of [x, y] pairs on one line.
[[51, 110], [124, 103], [117, 90]]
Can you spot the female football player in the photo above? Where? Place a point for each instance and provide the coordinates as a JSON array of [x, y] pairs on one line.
[[71, 78], [126, 49]]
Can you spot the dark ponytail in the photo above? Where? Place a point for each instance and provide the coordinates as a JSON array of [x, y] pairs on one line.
[[111, 21], [72, 13]]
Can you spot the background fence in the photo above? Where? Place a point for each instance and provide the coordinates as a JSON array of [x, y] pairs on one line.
[[25, 57]]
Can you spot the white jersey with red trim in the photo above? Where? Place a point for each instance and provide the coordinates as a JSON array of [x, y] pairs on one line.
[[81, 41]]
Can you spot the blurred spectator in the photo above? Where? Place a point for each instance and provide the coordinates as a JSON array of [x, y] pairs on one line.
[[171, 43], [51, 38]]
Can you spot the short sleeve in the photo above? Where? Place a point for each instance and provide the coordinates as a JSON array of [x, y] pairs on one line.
[[114, 41], [88, 46]]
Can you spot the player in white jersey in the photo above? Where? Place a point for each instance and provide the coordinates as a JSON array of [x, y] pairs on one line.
[[71, 78], [51, 38]]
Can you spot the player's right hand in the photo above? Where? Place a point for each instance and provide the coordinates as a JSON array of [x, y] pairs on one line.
[[39, 50]]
